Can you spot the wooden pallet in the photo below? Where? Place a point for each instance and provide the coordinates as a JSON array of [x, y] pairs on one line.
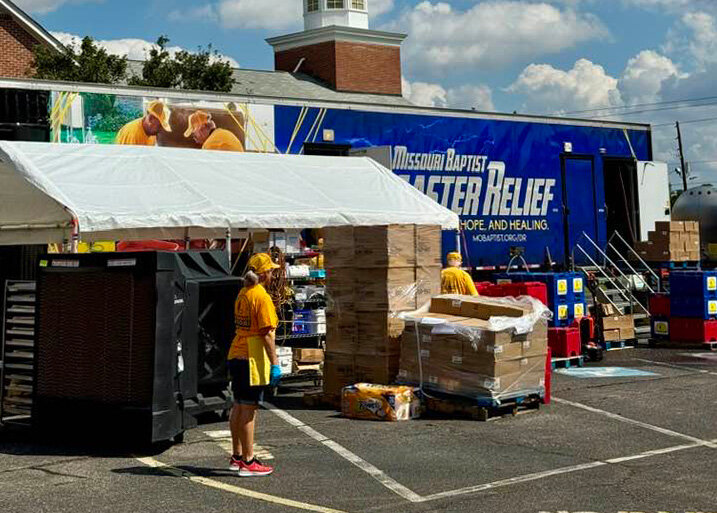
[[476, 409], [566, 363], [618, 345], [320, 399]]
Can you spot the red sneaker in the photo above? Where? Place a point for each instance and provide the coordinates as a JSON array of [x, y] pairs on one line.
[[254, 469], [234, 463]]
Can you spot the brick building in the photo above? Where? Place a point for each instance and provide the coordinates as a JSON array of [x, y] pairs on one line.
[[19, 33]]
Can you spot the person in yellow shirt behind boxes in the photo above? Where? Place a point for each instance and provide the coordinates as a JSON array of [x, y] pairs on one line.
[[144, 131], [252, 362], [205, 132], [455, 280]]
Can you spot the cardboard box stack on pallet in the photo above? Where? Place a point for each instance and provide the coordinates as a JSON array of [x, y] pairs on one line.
[[454, 349], [671, 241], [616, 327], [373, 274]]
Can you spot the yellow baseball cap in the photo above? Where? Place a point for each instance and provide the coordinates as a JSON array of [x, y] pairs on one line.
[[454, 255], [261, 262], [160, 111], [196, 120]]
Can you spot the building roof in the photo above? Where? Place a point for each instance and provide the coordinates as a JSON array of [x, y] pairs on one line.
[[30, 25], [298, 86]]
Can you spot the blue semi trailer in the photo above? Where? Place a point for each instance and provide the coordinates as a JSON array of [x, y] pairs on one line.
[[536, 185], [533, 184]]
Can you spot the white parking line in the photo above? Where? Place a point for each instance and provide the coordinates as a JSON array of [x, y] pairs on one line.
[[680, 367], [219, 485], [638, 423], [364, 465], [559, 471]]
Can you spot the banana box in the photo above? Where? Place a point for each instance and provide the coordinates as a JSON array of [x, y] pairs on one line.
[[380, 402]]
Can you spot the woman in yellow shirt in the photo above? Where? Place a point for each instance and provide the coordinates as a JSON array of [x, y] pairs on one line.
[[253, 344], [455, 280]]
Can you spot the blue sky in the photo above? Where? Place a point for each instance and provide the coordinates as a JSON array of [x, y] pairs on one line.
[[531, 56]]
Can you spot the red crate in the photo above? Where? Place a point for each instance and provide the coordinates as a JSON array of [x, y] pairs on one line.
[[483, 286], [660, 305], [587, 329], [533, 289], [548, 376], [564, 342], [683, 329]]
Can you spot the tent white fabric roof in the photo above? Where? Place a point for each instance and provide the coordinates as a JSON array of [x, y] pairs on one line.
[[132, 192]]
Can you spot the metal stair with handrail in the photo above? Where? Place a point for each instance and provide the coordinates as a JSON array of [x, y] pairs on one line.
[[615, 280]]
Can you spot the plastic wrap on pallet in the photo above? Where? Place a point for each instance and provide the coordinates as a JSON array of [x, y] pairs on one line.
[[495, 357]]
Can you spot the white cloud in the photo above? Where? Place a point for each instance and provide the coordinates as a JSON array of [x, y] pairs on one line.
[[695, 35], [254, 14], [551, 90], [644, 75], [45, 6], [492, 33], [478, 97], [134, 49], [379, 7]]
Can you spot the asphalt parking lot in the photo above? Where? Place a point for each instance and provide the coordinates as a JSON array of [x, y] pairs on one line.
[[646, 443]]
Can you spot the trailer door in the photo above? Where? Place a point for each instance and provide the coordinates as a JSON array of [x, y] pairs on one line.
[[579, 206]]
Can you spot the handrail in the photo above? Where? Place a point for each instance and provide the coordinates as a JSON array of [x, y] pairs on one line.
[[649, 269], [599, 268], [623, 275], [628, 264]]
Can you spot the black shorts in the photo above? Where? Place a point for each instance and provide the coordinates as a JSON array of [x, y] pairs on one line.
[[243, 392]]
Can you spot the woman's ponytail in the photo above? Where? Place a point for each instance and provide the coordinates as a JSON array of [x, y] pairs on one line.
[[250, 278]]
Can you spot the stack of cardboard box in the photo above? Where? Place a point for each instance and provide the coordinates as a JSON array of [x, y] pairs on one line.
[[454, 349], [616, 326], [372, 274], [671, 241]]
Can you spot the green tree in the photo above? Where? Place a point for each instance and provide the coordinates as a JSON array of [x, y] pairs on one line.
[[203, 70], [89, 63]]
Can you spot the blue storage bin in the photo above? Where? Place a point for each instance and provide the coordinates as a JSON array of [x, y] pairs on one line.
[[693, 294], [302, 322]]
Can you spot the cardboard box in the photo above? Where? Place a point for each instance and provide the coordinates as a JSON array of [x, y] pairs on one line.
[[379, 402], [385, 289], [474, 307], [471, 387], [339, 371], [692, 227], [341, 332], [428, 246], [308, 355], [338, 247], [385, 246], [619, 322], [340, 287], [428, 284], [611, 335], [670, 226], [381, 370], [379, 333]]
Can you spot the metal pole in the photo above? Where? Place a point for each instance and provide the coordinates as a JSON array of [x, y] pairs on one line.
[[682, 157], [228, 248], [458, 241]]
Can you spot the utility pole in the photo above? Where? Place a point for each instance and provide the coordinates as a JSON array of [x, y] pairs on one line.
[[682, 157]]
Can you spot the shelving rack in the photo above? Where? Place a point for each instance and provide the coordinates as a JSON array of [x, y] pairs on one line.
[[17, 360]]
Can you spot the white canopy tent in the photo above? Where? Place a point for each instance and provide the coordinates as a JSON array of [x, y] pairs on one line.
[[133, 192]]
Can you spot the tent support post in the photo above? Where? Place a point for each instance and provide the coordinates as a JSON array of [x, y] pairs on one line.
[[228, 245], [75, 236]]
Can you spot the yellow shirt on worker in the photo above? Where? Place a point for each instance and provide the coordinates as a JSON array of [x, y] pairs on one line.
[[223, 140], [457, 281], [254, 311], [133, 134]]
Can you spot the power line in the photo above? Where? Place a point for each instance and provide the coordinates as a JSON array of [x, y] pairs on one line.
[[650, 110], [654, 104], [705, 120]]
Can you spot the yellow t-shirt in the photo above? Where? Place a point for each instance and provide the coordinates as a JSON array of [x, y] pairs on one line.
[[222, 140], [457, 281], [133, 134], [253, 312]]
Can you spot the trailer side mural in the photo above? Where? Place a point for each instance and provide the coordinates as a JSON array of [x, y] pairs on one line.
[[529, 184], [512, 183]]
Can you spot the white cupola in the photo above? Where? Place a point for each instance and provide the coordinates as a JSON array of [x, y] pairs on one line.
[[341, 13]]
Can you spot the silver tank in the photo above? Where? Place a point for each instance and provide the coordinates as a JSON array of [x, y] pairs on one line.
[[699, 204]]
